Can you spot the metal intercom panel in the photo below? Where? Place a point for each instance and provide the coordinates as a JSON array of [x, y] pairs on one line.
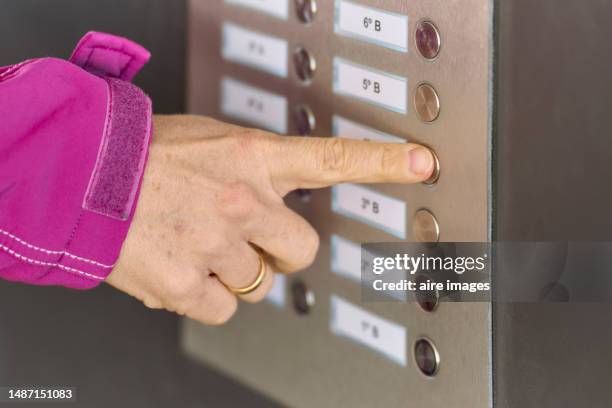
[[418, 71]]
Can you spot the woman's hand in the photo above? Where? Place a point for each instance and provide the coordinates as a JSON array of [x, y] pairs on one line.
[[212, 193]]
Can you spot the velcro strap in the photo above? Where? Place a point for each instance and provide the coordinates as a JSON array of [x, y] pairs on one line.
[[123, 151]]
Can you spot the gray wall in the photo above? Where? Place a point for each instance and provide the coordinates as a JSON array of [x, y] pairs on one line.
[[553, 145], [108, 345], [38, 28]]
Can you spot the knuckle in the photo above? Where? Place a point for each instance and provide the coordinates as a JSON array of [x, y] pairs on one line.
[[179, 290], [238, 200], [181, 306], [255, 297], [334, 155], [386, 158], [224, 313], [245, 141], [252, 146], [259, 295], [152, 303], [311, 243]]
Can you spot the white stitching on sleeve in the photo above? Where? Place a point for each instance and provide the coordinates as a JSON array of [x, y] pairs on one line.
[[50, 265], [49, 252]]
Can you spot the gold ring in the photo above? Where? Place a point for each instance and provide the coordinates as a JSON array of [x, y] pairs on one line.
[[256, 284]]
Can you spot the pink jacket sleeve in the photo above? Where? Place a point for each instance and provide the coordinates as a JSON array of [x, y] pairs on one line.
[[74, 138]]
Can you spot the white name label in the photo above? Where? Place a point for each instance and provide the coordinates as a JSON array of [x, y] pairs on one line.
[[345, 258], [277, 8], [276, 296], [379, 334], [253, 105], [372, 25], [370, 207], [351, 130], [254, 49], [370, 85]]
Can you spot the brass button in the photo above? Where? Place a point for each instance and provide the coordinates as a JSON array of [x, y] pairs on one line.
[[428, 40], [427, 103], [435, 175], [426, 357], [425, 227]]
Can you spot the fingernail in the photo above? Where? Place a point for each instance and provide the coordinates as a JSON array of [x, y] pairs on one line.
[[421, 161]]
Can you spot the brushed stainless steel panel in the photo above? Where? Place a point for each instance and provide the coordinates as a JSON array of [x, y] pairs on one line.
[[294, 358]]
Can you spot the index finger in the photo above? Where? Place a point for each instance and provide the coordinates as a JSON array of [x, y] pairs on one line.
[[315, 162]]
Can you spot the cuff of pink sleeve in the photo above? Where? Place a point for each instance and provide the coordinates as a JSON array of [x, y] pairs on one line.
[[73, 154], [109, 204]]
